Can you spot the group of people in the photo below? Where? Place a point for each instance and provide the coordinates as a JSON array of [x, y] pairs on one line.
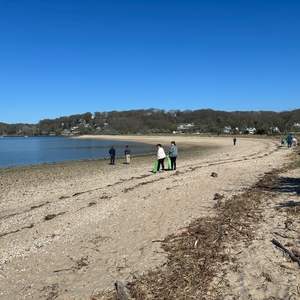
[[288, 141], [112, 154], [161, 155]]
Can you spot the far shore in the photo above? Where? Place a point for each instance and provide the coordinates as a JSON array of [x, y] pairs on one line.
[[183, 140]]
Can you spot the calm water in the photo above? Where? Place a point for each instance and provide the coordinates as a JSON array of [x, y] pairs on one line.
[[21, 151]]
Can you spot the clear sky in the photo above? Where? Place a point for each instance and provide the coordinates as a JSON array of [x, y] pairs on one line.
[[65, 57]]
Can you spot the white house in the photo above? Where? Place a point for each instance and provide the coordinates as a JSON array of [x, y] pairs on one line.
[[227, 129], [251, 130], [185, 126], [274, 129]]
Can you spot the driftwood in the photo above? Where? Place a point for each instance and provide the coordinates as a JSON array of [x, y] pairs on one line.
[[282, 235], [121, 291], [51, 216], [291, 254]]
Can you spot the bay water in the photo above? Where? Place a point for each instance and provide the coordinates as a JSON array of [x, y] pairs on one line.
[[23, 151]]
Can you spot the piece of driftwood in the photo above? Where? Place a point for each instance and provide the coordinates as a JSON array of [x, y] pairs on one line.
[[158, 241], [282, 235], [291, 254], [121, 291]]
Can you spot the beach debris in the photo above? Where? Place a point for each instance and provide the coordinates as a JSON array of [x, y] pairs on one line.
[[214, 174], [217, 196], [51, 216], [122, 292], [14, 231], [40, 205], [287, 223], [82, 262], [196, 243], [158, 241], [291, 254], [51, 291]]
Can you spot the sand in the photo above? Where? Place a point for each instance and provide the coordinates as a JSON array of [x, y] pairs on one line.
[[70, 230]]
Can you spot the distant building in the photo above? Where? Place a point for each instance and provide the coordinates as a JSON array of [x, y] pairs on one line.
[[227, 129], [251, 130], [74, 129], [66, 132], [274, 129], [185, 126]]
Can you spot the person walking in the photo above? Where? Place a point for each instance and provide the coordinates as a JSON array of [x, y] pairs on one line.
[[173, 153], [112, 154], [127, 152], [160, 157], [234, 141]]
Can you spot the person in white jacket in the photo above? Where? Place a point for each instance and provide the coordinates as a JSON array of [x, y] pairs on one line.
[[295, 141], [160, 157]]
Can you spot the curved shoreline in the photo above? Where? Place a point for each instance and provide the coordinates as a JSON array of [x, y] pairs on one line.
[[150, 141]]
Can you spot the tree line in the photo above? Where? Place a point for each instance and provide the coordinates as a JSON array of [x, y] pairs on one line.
[[156, 121]]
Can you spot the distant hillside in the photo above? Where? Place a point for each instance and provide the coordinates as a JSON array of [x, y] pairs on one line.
[[154, 121]]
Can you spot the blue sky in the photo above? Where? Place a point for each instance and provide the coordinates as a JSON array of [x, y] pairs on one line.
[[63, 57]]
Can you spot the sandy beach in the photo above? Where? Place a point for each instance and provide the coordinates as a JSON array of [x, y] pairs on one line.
[[70, 230]]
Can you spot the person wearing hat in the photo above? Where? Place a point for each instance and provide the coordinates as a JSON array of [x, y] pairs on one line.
[[173, 153]]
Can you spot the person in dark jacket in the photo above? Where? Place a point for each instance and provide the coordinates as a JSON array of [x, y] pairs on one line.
[[289, 140], [112, 154], [173, 153]]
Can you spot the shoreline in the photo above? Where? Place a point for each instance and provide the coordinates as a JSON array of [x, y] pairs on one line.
[[75, 228], [150, 141]]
